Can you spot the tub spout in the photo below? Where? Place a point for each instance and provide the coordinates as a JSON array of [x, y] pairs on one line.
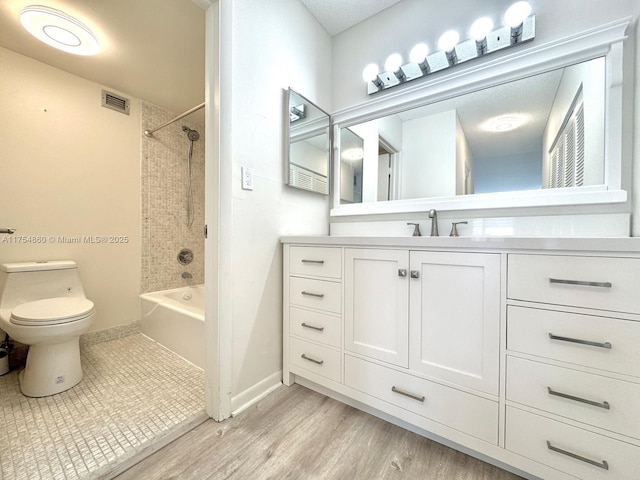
[[186, 275]]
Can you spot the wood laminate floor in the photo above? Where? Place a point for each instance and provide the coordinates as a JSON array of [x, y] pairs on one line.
[[296, 433]]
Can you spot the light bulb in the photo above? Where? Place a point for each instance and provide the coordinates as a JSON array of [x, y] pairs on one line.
[[516, 13], [418, 53], [448, 40], [481, 28], [370, 72], [393, 62]]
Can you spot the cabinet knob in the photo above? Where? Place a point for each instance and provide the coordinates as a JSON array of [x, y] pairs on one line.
[[402, 272], [415, 274]]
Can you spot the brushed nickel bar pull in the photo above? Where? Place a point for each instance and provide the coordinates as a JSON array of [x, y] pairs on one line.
[[581, 342], [319, 262], [604, 404], [310, 294], [603, 464], [395, 389], [319, 362], [312, 327], [581, 283]]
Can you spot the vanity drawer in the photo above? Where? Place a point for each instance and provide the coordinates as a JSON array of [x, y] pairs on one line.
[[604, 283], [319, 294], [316, 261], [314, 358], [557, 445], [596, 400], [315, 326], [529, 330], [462, 411]]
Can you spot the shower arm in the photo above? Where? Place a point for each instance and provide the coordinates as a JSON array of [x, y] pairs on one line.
[[149, 133]]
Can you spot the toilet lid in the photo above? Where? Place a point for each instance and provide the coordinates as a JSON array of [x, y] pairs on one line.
[[52, 311]]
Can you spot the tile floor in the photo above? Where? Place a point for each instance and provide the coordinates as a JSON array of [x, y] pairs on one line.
[[135, 395]]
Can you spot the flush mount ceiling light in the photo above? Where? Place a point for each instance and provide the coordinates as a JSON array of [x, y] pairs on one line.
[[505, 123], [353, 154], [59, 30], [519, 27]]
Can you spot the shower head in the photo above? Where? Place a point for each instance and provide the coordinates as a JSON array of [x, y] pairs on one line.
[[192, 135]]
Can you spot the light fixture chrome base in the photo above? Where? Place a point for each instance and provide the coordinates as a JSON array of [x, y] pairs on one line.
[[498, 39]]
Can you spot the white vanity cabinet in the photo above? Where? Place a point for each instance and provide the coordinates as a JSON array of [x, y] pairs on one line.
[[573, 363], [455, 318], [523, 352], [376, 304], [313, 316]]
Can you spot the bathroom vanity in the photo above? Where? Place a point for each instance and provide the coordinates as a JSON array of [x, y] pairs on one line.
[[519, 351]]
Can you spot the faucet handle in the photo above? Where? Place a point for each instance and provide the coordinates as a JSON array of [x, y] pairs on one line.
[[454, 228], [416, 230]]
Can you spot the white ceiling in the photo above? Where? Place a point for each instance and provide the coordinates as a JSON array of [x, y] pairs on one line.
[[151, 49], [338, 15]]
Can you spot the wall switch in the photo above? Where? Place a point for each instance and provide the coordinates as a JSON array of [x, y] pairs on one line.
[[247, 178]]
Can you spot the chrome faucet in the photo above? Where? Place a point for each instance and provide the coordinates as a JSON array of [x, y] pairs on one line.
[[433, 215], [8, 231]]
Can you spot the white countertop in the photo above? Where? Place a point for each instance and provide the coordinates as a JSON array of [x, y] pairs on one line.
[[620, 244]]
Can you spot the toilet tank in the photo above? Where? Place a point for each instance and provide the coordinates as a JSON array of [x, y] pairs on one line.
[[28, 281]]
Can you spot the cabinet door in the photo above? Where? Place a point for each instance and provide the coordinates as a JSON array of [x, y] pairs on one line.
[[376, 304], [455, 318]]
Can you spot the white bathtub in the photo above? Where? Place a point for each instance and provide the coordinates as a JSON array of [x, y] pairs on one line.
[[175, 319]]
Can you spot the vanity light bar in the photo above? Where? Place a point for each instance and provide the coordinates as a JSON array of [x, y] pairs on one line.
[[496, 40]]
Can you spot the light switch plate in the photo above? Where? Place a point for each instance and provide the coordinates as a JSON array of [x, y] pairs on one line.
[[247, 178]]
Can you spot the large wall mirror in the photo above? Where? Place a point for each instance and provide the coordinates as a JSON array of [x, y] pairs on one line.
[[548, 136], [545, 131], [309, 132]]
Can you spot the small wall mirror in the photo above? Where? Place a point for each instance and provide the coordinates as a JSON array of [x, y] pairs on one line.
[[541, 132], [309, 132]]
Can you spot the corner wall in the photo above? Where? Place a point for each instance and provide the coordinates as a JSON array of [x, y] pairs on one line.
[[274, 45]]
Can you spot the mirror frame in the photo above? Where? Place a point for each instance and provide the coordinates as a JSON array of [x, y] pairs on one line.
[[287, 133], [604, 41]]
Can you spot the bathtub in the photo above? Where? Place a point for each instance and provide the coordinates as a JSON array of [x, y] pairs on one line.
[[175, 319]]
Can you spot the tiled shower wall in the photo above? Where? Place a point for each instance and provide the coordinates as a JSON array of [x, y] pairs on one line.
[[164, 192]]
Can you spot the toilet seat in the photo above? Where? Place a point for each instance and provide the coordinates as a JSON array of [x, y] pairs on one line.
[[52, 311]]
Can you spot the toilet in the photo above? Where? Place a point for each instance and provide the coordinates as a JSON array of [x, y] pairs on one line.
[[43, 305]]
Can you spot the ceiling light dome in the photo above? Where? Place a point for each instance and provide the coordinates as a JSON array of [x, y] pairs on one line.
[[59, 30], [505, 123]]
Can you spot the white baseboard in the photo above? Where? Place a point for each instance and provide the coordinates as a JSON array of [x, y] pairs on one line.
[[257, 392]]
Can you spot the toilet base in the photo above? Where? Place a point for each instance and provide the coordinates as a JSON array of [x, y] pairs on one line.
[[51, 369]]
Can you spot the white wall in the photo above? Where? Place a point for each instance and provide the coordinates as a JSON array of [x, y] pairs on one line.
[[429, 156], [69, 167], [425, 21], [266, 47]]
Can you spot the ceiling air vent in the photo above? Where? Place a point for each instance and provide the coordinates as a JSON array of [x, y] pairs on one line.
[[115, 102]]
